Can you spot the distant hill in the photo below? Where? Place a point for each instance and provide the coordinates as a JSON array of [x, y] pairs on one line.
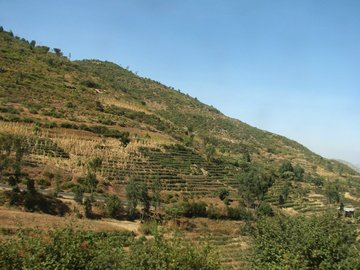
[[352, 166]]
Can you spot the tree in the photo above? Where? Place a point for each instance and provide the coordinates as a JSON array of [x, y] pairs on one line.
[[265, 209], [223, 193], [332, 192], [57, 184], [78, 194], [30, 186], [30, 199], [253, 185], [132, 198], [144, 198], [6, 146], [113, 206], [124, 138], [95, 163], [88, 208], [12, 181], [281, 199], [210, 152], [299, 172], [91, 179], [286, 167], [9, 144], [246, 157], [58, 52], [20, 150], [285, 191], [33, 43], [156, 190]]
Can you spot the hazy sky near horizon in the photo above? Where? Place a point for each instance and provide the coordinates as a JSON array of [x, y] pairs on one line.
[[290, 67]]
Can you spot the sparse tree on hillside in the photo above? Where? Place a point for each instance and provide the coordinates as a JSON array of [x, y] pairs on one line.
[[156, 189], [137, 192], [332, 192], [223, 193], [92, 168], [299, 172], [287, 170], [6, 144], [20, 150], [132, 198], [91, 181], [144, 198], [9, 144], [265, 209], [125, 138], [12, 181], [78, 194], [30, 200], [95, 164], [210, 152], [286, 167], [58, 52], [253, 185], [246, 157], [88, 208], [113, 206], [57, 184]]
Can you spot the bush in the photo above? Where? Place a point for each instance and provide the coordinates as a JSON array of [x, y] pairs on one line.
[[215, 213], [90, 84], [70, 249], [171, 254], [265, 209], [222, 193], [239, 213], [194, 209], [317, 242]]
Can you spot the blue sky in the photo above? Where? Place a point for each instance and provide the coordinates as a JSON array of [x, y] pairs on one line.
[[290, 67]]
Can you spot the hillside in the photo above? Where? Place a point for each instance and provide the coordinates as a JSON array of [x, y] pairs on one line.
[[81, 119], [81, 108], [352, 166]]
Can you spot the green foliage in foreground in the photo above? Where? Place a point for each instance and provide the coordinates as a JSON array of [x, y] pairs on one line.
[[70, 249], [318, 242]]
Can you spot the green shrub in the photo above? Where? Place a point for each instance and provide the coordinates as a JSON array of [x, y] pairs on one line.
[[316, 242], [70, 249], [194, 209], [239, 213], [265, 209]]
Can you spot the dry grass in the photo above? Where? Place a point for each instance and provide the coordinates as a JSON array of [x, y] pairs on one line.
[[14, 219], [124, 104], [16, 128]]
